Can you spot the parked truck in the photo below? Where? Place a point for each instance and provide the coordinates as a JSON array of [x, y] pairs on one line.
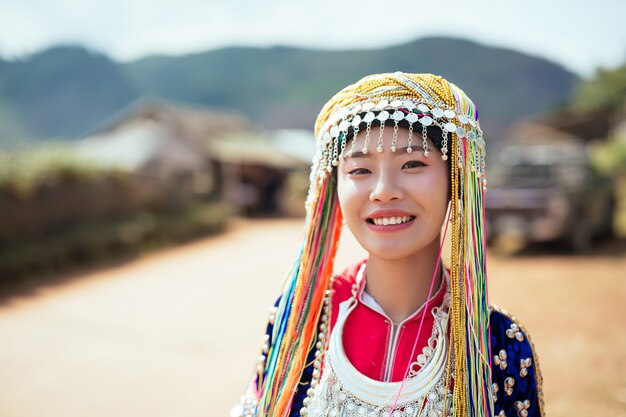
[[548, 191]]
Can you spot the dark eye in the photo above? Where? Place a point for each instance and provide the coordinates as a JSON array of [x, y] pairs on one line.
[[414, 164], [359, 171]]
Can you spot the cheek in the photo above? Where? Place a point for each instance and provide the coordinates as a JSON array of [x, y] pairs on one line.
[[352, 197], [434, 191], [441, 179], [346, 193], [443, 194], [342, 193]]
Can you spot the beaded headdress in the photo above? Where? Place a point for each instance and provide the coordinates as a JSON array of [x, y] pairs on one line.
[[419, 102]]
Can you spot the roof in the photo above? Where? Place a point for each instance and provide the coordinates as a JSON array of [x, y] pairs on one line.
[[532, 132], [251, 148], [586, 125], [193, 119], [136, 145]]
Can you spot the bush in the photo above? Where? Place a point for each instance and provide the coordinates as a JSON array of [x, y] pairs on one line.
[[21, 172], [610, 157], [89, 242], [61, 211]]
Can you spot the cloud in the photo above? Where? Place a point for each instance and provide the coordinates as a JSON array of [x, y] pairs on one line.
[[128, 29]]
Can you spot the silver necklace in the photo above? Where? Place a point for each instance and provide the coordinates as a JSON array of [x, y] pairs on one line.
[[344, 391]]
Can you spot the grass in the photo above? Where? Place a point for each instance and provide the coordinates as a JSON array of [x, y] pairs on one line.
[[21, 172]]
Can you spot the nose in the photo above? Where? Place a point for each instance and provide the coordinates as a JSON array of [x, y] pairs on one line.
[[385, 188]]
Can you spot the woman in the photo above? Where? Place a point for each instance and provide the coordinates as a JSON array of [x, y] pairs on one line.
[[401, 159]]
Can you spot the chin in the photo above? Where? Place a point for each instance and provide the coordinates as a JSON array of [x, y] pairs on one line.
[[396, 249], [391, 252]]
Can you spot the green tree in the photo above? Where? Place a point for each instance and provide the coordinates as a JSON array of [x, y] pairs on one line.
[[604, 91]]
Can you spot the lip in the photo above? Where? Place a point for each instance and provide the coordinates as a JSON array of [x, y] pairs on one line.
[[390, 213]]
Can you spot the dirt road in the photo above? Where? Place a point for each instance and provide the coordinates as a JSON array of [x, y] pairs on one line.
[[177, 333]]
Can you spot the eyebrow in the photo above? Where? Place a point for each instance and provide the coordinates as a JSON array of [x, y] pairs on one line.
[[399, 151]]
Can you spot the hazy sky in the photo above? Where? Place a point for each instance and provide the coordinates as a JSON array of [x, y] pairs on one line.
[[580, 35]]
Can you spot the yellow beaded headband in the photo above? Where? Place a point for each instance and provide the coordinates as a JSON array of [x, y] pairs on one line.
[[414, 100]]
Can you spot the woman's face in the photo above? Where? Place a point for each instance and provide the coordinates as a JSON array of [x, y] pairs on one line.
[[393, 202]]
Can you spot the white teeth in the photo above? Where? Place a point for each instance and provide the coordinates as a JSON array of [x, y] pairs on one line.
[[386, 221]]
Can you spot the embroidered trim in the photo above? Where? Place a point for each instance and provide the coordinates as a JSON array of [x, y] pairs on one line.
[[538, 376], [334, 396]]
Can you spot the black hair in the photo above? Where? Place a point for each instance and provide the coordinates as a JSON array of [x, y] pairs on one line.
[[434, 132]]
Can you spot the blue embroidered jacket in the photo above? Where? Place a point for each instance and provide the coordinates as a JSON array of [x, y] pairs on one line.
[[516, 377]]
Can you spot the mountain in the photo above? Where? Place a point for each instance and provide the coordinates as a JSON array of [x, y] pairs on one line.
[[63, 91], [66, 90]]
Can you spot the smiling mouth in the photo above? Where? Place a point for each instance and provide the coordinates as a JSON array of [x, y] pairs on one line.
[[390, 221]]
